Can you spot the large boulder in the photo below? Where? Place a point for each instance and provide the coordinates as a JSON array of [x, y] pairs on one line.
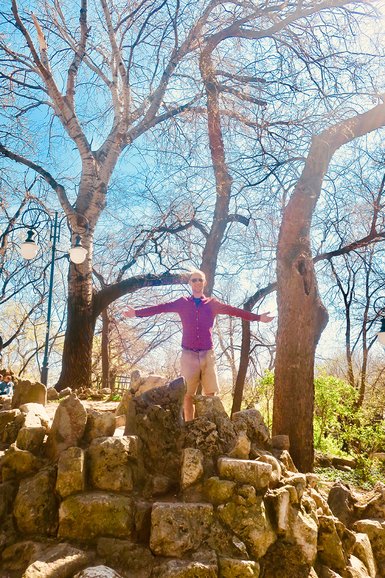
[[26, 391], [67, 427], [71, 476], [159, 425], [110, 462], [99, 424], [247, 518], [178, 528], [85, 517], [36, 505], [58, 561]]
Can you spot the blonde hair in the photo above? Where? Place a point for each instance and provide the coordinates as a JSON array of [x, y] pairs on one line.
[[196, 272]]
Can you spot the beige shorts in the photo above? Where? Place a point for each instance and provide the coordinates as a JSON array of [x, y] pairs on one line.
[[199, 367]]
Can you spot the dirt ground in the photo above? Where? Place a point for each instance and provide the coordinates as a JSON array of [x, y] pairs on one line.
[[52, 406]]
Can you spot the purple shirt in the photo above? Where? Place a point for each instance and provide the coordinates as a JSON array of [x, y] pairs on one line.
[[197, 320]]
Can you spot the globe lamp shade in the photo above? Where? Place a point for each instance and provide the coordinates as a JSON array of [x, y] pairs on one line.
[[29, 248], [77, 252], [381, 333]]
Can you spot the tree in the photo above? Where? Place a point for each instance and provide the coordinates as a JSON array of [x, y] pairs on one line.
[[302, 315]]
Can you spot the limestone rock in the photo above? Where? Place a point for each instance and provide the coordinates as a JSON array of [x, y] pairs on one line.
[[233, 568], [252, 422], [140, 383], [218, 491], [70, 472], [26, 391], [251, 472], [58, 561], [356, 568], [100, 571], [36, 506], [226, 544], [363, 551], [65, 392], [52, 394], [210, 407], [7, 496], [67, 428], [17, 464], [341, 502], [99, 424], [109, 463], [303, 532], [285, 560], [186, 569], [12, 428], [31, 438], [375, 529], [192, 467], [7, 416], [158, 423], [330, 550], [241, 448], [276, 471], [376, 504], [125, 554], [36, 415], [87, 516], [18, 556], [251, 524], [177, 528], [281, 442]]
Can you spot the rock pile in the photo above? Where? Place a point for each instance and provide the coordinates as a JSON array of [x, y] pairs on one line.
[[213, 497]]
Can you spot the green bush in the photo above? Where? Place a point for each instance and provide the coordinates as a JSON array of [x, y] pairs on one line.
[[334, 410]]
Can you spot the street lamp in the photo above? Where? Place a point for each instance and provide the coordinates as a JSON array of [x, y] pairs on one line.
[[379, 308], [29, 250]]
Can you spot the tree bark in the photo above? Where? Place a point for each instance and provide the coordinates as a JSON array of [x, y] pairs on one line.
[[223, 180], [301, 314], [105, 348]]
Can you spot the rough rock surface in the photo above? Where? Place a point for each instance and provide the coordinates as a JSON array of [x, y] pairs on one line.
[[231, 504]]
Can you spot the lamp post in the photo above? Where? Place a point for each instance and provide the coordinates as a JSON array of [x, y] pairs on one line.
[[29, 250], [379, 308]]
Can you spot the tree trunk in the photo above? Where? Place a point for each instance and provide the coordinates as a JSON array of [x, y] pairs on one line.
[[243, 366], [77, 351], [301, 315], [105, 348], [223, 179]]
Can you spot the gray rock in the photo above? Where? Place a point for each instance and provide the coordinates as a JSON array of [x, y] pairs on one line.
[[330, 549], [158, 424], [341, 503]]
